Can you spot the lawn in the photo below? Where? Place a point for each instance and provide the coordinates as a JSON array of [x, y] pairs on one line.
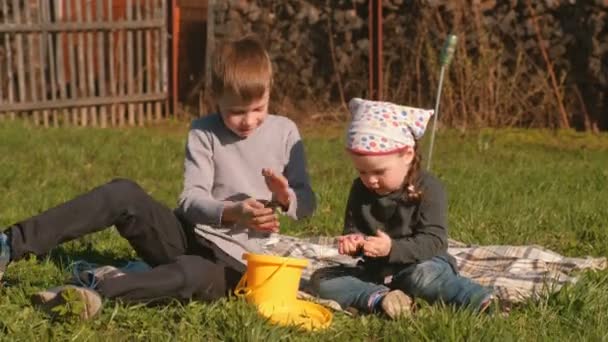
[[505, 187]]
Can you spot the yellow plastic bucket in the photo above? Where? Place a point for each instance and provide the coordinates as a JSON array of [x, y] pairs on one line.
[[303, 314], [271, 283], [270, 279]]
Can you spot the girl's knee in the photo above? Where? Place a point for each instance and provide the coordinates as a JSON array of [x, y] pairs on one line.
[[428, 273], [324, 281], [316, 280], [326, 288]]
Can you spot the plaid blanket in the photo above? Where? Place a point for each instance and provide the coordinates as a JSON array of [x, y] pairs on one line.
[[516, 273]]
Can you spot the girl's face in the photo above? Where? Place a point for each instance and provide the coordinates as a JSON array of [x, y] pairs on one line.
[[383, 174]]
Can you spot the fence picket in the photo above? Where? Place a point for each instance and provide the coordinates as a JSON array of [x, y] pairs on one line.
[[71, 79], [47, 45], [90, 62], [139, 64], [10, 89], [81, 61], [163, 56], [130, 74], [121, 77], [149, 64], [19, 54], [31, 49], [157, 61], [101, 58], [112, 90]]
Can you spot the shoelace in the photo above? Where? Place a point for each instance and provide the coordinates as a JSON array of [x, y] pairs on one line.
[[80, 266], [135, 266], [5, 255], [5, 249]]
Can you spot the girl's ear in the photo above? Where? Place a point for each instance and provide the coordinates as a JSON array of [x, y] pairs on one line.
[[407, 154]]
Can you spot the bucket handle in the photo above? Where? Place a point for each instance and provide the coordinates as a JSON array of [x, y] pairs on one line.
[[242, 290]]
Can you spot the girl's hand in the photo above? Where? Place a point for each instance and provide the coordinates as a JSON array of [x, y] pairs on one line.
[[251, 214], [350, 244], [377, 246], [278, 185]]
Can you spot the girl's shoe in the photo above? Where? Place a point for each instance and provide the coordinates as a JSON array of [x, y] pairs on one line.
[[492, 305], [486, 304], [68, 300], [396, 304]]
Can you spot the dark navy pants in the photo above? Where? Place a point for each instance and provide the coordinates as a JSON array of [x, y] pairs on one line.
[[182, 267]]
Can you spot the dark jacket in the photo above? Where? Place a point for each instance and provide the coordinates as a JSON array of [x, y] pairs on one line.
[[419, 231]]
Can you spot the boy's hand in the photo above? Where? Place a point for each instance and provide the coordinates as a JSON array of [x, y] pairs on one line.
[[350, 244], [377, 246], [278, 185], [252, 214]]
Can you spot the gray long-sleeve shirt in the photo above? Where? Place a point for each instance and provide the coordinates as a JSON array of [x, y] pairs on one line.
[[221, 166]]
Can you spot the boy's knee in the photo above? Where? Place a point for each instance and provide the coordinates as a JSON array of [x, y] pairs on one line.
[[125, 194], [196, 269], [203, 279], [124, 186]]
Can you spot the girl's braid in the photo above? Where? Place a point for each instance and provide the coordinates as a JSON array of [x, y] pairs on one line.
[[411, 192]]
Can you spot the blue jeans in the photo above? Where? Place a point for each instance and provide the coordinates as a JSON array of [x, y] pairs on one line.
[[432, 280]]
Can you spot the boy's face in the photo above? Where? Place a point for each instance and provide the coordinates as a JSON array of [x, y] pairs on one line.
[[242, 117], [383, 174]]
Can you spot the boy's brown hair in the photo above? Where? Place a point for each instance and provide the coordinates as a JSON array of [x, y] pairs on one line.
[[242, 66]]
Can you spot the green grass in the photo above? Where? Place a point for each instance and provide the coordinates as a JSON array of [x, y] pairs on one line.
[[505, 187]]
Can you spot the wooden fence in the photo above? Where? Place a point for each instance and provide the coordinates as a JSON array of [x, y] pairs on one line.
[[83, 62]]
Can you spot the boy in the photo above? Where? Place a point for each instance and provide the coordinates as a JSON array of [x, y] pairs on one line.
[[232, 159], [243, 152]]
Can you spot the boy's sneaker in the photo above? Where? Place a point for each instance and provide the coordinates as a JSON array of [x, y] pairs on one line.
[[5, 254], [68, 300], [89, 275], [396, 304]]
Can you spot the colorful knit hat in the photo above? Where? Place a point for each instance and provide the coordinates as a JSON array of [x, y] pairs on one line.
[[383, 127]]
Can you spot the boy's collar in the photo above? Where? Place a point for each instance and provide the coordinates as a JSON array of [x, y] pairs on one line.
[[221, 118]]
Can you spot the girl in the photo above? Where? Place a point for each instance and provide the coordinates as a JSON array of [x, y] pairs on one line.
[[396, 219]]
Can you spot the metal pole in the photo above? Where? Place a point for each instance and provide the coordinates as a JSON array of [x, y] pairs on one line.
[[375, 49], [447, 52], [437, 101]]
